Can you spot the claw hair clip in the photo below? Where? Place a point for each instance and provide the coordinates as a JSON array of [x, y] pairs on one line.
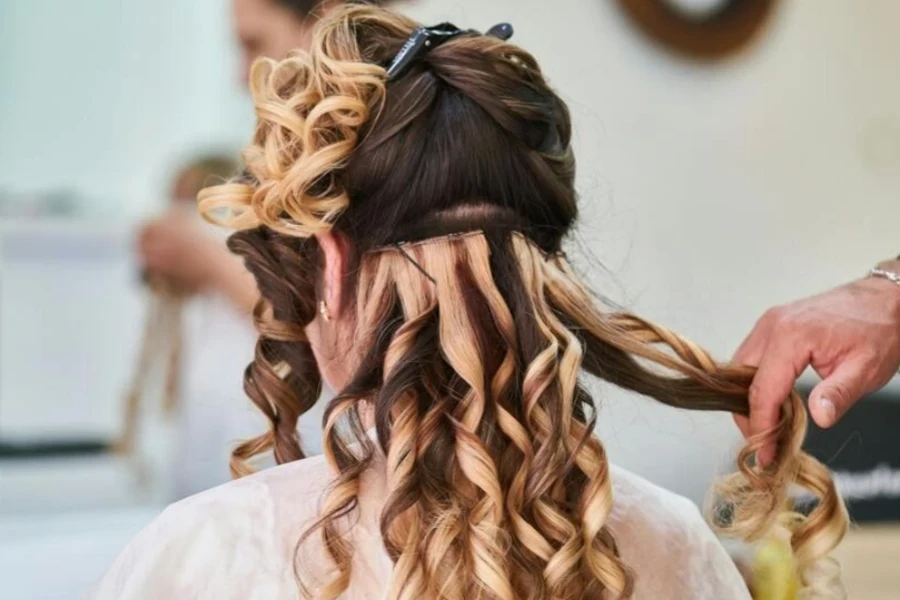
[[425, 39]]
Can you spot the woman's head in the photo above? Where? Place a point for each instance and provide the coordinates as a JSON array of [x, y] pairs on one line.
[[406, 237], [472, 138]]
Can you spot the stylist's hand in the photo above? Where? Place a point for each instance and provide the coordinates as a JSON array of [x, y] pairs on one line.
[[176, 248], [850, 336]]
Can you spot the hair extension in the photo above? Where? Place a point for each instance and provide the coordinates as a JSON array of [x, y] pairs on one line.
[[161, 348], [454, 188], [161, 340]]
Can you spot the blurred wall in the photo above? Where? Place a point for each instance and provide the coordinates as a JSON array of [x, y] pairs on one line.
[[709, 192], [105, 97]]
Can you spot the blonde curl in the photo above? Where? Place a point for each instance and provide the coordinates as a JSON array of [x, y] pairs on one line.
[[310, 108]]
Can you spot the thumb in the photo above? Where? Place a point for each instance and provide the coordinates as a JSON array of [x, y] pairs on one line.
[[837, 393]]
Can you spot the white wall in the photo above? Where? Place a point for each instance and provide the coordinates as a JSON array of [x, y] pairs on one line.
[[104, 97], [709, 192]]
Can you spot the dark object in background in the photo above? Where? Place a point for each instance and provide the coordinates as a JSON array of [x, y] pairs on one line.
[[863, 452], [722, 30], [53, 449]]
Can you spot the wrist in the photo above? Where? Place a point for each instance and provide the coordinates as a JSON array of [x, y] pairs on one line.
[[884, 279], [888, 272], [891, 266]]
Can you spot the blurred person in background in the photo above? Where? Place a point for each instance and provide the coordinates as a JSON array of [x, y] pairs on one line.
[[175, 247], [461, 457], [180, 249], [193, 258], [213, 339]]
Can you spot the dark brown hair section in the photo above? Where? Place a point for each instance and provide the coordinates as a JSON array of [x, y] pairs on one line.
[[283, 380]]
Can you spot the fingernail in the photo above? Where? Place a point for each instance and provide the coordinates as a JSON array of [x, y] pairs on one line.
[[828, 410]]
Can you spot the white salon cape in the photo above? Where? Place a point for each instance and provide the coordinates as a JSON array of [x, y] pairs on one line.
[[238, 541]]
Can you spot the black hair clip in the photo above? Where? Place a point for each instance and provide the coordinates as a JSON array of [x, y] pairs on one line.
[[503, 31], [427, 38]]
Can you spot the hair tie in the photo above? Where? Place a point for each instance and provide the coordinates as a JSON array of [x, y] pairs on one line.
[[425, 39]]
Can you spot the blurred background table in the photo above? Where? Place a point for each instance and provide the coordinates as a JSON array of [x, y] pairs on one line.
[[869, 562]]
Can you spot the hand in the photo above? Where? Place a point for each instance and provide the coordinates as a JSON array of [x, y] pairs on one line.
[[850, 336], [176, 248]]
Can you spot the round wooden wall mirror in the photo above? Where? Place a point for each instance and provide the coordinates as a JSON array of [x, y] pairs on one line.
[[702, 29]]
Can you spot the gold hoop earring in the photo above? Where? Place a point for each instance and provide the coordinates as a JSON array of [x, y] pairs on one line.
[[323, 310]]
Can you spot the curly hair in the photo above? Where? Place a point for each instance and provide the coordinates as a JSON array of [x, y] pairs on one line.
[[454, 187]]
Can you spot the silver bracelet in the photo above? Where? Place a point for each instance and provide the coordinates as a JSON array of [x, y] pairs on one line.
[[889, 275]]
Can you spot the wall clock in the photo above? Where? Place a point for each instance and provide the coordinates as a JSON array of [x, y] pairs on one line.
[[701, 29]]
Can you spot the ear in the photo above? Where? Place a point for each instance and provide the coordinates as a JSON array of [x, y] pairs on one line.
[[335, 253]]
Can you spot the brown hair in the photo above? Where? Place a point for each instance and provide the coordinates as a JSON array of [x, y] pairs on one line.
[[455, 188]]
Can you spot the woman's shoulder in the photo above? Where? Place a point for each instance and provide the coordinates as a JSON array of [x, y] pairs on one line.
[[665, 539], [254, 500], [637, 498], [232, 541]]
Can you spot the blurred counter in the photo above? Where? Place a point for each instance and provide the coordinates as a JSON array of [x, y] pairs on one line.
[[71, 308], [869, 562]]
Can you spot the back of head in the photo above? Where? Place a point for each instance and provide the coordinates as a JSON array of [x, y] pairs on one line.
[[473, 124], [453, 188]]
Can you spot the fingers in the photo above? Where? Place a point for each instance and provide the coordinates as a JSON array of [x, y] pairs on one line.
[[160, 241], [154, 252], [838, 392], [783, 361], [780, 356], [750, 354], [148, 236], [153, 260]]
